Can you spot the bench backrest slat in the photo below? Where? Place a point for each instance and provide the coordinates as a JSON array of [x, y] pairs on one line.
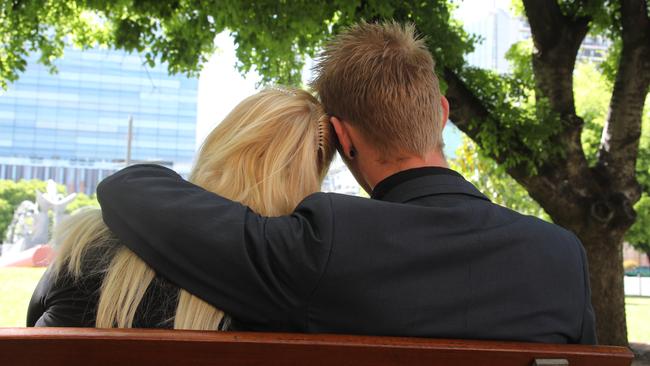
[[143, 347]]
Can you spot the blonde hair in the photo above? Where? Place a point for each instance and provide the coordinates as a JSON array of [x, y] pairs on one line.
[[270, 152], [381, 79]]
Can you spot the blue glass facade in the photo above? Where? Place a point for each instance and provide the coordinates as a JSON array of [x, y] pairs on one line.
[[75, 123]]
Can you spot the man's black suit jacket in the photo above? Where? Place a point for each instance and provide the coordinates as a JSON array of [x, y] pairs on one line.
[[430, 256]]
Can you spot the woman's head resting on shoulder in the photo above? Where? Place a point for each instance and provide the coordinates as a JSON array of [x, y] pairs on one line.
[[270, 152]]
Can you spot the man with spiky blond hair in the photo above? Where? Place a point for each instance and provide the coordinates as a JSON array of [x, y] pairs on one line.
[[428, 255]]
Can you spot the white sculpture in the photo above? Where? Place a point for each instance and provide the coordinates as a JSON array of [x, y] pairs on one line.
[[20, 228], [50, 200], [19, 235]]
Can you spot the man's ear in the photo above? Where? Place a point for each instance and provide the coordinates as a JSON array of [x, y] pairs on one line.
[[343, 136], [445, 110]]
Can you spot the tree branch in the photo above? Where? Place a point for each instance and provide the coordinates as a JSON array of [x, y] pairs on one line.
[[620, 139], [550, 188], [557, 39]]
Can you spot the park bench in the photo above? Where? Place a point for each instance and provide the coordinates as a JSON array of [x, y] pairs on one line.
[[143, 347]]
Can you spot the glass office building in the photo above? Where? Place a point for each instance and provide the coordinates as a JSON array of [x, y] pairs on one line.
[[73, 126], [499, 29]]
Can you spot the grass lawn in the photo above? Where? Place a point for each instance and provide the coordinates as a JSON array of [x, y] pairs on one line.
[[17, 285], [638, 319]]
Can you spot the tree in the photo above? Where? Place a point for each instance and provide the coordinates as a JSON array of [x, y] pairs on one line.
[[526, 121], [593, 90]]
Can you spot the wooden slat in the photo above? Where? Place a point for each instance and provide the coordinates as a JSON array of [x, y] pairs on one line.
[[96, 347]]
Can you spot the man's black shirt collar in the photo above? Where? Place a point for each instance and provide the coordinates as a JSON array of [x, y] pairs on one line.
[[405, 175]]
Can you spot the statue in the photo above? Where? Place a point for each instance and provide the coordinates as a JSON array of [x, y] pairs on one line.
[[50, 200], [20, 228], [31, 223]]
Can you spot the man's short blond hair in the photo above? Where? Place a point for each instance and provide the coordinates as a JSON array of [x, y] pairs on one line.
[[381, 79]]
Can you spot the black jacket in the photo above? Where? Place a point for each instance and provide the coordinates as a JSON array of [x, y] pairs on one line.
[[59, 301], [62, 301], [429, 256]]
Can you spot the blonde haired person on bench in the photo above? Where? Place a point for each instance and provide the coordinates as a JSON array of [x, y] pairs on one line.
[[269, 153]]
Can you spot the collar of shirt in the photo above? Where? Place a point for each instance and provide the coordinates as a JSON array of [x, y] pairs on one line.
[[406, 175]]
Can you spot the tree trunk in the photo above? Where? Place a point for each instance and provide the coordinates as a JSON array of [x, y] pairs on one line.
[[604, 247], [606, 264]]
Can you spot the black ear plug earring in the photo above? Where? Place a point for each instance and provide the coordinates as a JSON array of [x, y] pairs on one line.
[[353, 153]]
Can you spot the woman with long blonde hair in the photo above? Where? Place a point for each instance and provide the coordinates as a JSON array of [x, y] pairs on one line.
[[269, 153]]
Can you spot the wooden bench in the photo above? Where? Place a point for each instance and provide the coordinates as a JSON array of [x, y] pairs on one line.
[[143, 347]]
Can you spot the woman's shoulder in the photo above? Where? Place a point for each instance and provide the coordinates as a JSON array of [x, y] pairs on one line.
[[60, 300]]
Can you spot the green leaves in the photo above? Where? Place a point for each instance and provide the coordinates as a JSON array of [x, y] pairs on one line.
[[520, 124], [609, 67], [639, 234], [592, 94], [272, 37], [42, 26]]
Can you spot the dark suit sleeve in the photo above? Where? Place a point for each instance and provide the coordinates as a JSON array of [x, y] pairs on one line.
[[588, 332], [260, 270]]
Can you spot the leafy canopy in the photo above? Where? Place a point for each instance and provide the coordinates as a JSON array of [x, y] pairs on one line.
[[272, 36]]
